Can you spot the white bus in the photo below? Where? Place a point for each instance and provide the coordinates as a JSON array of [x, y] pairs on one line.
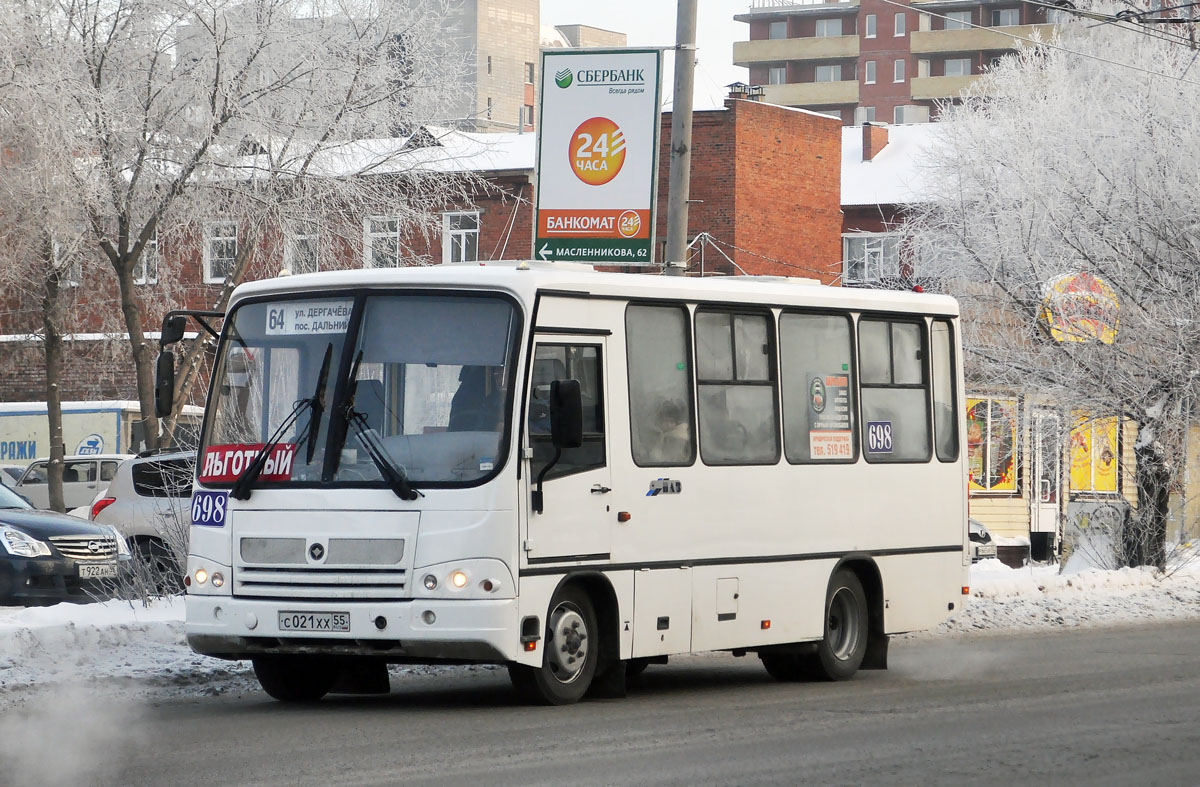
[[572, 473]]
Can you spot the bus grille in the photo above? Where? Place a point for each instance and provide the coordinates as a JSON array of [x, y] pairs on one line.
[[321, 583], [360, 568], [85, 547]]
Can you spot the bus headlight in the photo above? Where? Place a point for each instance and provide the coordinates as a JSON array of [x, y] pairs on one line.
[[458, 579], [201, 576], [430, 582]]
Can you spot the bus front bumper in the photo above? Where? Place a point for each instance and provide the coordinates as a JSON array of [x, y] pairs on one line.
[[419, 631]]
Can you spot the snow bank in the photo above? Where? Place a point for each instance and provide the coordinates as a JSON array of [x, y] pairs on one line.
[[142, 650]]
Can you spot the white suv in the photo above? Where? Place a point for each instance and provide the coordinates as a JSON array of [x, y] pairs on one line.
[[149, 502]]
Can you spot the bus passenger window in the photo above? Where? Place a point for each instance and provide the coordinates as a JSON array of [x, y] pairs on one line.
[[945, 411], [817, 378], [736, 389], [660, 386], [566, 362], [895, 391]]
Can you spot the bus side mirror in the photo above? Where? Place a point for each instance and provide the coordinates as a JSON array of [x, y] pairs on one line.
[[172, 329], [566, 414], [164, 383]]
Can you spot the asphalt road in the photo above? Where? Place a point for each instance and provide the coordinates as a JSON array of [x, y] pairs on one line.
[[1099, 706]]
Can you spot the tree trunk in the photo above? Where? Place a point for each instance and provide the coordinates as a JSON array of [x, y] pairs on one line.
[[1145, 536], [53, 348], [143, 352]]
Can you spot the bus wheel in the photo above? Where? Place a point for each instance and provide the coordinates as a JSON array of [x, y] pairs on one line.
[[571, 648], [841, 650], [784, 666], [294, 678]]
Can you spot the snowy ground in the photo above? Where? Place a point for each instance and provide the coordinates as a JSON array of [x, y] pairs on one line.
[[133, 650]]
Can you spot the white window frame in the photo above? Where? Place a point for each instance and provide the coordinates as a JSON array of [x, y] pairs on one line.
[[900, 26], [530, 68], [923, 67], [211, 228], [831, 72], [72, 268], [870, 26], [777, 75], [824, 26], [996, 12], [864, 115], [145, 271], [869, 72], [954, 20], [369, 238], [774, 27], [875, 268], [307, 232], [456, 238], [959, 62], [898, 70]]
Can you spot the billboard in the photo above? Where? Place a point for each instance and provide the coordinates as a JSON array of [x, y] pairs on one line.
[[597, 160]]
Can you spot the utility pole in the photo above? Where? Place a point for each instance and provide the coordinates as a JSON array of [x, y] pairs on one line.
[[679, 180]]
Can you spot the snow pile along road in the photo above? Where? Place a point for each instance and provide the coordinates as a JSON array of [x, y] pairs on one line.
[[140, 650]]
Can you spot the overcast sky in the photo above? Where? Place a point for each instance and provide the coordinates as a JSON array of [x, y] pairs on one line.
[[652, 23]]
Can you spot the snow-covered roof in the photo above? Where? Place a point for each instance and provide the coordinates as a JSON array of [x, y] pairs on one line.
[[897, 174]]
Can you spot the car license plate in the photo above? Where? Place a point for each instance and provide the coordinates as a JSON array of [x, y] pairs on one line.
[[988, 551], [97, 570], [314, 621]]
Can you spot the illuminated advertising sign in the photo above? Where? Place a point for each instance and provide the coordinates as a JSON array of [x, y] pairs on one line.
[[598, 156]]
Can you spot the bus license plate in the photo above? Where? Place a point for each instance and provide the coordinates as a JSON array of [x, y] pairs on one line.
[[97, 570], [314, 621]]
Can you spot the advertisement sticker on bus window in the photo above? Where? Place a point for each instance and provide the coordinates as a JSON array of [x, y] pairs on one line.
[[879, 437], [226, 463], [308, 317], [208, 508], [829, 435]]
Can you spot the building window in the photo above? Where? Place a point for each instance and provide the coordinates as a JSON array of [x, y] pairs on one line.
[[828, 74], [869, 72], [220, 250], [777, 75], [826, 28], [527, 114], [777, 30], [870, 258], [489, 65], [992, 445], [900, 24], [529, 73], [1006, 17], [68, 263], [957, 20], [1095, 454], [145, 270], [898, 71], [489, 108], [870, 26], [958, 67], [923, 67], [302, 251], [381, 242], [460, 237], [864, 115]]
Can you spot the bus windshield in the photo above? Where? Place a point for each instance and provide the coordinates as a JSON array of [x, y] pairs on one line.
[[431, 394]]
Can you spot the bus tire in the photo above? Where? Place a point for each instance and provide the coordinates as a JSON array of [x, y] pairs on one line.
[[841, 649], [294, 678], [784, 666], [635, 667], [571, 649]]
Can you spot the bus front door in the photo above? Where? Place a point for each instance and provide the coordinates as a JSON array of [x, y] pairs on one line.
[[574, 520]]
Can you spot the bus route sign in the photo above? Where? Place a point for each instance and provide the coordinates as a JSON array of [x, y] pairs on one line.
[[598, 156]]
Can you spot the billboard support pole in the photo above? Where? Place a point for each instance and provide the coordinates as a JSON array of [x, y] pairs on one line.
[[679, 180]]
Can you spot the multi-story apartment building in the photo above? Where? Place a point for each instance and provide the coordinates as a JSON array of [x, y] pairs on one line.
[[886, 60], [499, 42]]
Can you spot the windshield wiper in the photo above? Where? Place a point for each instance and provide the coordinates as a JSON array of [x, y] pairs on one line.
[[396, 479], [241, 487]]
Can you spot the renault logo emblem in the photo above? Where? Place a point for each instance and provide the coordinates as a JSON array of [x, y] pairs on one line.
[[316, 551]]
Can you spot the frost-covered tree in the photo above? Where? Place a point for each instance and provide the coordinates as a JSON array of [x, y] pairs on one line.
[[170, 113], [1080, 157]]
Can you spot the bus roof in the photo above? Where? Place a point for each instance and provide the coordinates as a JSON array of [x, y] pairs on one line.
[[527, 278]]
